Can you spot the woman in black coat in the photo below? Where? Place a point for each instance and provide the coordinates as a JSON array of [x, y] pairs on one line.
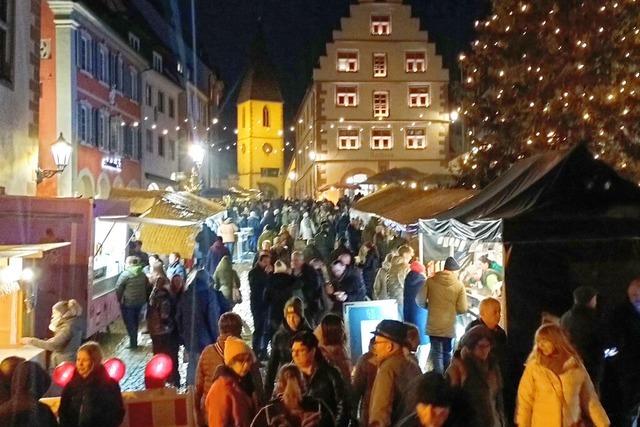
[[92, 398], [370, 265], [282, 286]]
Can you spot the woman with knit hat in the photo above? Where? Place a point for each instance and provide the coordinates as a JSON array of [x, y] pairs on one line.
[[232, 401]]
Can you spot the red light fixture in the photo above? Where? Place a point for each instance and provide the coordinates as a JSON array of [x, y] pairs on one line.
[[158, 371], [63, 373], [115, 368]]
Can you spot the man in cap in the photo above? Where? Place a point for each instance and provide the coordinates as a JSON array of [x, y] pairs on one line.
[[445, 297], [394, 376], [585, 330]]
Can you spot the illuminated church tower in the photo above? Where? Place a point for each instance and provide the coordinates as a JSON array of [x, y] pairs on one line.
[[260, 126]]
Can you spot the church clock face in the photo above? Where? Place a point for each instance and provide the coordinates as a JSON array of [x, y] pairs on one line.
[[267, 148]]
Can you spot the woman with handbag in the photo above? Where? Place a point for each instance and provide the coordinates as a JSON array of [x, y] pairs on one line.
[[226, 280], [555, 389]]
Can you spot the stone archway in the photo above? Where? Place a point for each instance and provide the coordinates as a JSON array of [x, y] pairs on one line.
[[104, 187], [86, 185]]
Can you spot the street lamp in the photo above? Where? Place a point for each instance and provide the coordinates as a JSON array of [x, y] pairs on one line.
[[312, 155], [61, 151], [454, 116], [197, 153]]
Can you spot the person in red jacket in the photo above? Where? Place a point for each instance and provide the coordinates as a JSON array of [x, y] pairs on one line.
[[232, 400]]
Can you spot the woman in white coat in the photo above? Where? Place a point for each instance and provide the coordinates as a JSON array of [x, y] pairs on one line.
[[307, 227], [555, 389]]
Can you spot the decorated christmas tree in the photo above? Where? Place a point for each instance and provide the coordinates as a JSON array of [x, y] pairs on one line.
[[545, 75]]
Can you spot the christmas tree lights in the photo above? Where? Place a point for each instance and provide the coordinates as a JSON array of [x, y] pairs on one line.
[[545, 75]]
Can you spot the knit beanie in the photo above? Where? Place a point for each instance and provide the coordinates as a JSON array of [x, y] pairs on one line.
[[235, 347]]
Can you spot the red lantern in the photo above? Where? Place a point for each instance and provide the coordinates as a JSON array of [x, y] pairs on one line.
[[115, 368], [158, 371], [63, 373]]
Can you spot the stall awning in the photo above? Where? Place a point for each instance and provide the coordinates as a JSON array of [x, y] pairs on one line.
[[406, 206], [169, 221], [35, 250]]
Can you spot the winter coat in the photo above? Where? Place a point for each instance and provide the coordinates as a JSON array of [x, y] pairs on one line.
[[307, 229], [66, 339], [311, 252], [585, 331], [281, 352], [392, 383], [228, 232], [94, 401], [324, 243], [253, 222], [226, 279], [211, 358], [258, 282], [336, 354], [482, 386], [395, 281], [275, 414], [445, 297], [341, 225], [197, 313], [362, 381], [132, 287], [312, 291], [546, 399], [352, 284], [326, 384], [354, 237], [281, 287], [228, 403], [160, 313], [341, 249], [370, 268], [380, 283], [498, 346], [177, 269], [29, 383], [412, 312], [215, 254]]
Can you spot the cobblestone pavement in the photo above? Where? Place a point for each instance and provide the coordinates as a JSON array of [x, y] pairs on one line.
[[114, 343]]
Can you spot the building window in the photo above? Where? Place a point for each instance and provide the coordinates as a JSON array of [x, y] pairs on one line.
[[379, 65], [102, 130], [133, 76], [265, 117], [416, 138], [160, 145], [114, 134], [380, 25], [348, 139], [128, 141], [346, 96], [135, 144], [120, 74], [103, 64], [157, 62], [415, 62], [172, 108], [381, 139], [134, 42], [149, 141], [85, 57], [84, 123], [148, 94], [172, 150], [7, 22], [160, 103], [419, 96], [347, 61], [380, 104]]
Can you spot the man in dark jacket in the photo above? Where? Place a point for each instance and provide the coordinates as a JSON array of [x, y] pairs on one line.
[[583, 326], [348, 285], [293, 323], [324, 241], [197, 315], [28, 385], [215, 254], [342, 222], [324, 382], [395, 374], [258, 282], [354, 235], [132, 290], [306, 278]]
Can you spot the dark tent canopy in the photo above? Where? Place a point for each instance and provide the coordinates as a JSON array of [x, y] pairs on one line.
[[566, 220]]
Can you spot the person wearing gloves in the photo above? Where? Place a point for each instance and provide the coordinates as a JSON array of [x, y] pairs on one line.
[[555, 389], [232, 401], [67, 326]]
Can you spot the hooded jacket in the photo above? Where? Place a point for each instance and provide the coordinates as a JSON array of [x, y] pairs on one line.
[[307, 228], [546, 399], [94, 401], [132, 286], [446, 298], [229, 403], [226, 278], [380, 283], [413, 313], [215, 254], [281, 351], [29, 383], [66, 339]]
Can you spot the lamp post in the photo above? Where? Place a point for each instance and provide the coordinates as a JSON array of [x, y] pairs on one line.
[[61, 151]]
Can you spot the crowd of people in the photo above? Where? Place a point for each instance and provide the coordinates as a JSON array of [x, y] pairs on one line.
[[296, 370]]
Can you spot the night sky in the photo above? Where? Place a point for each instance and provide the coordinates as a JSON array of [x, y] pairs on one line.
[[296, 32]]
